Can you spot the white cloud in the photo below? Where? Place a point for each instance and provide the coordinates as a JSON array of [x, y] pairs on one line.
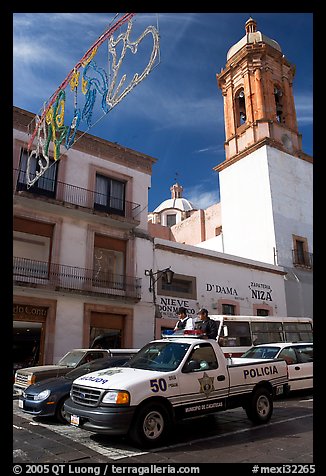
[[201, 198], [304, 108]]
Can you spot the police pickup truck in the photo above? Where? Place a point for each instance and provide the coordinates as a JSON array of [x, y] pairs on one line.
[[172, 379]]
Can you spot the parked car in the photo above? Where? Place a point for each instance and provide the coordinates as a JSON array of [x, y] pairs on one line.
[[47, 397], [72, 359], [298, 356]]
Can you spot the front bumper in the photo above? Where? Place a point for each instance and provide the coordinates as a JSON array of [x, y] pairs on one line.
[[106, 420], [37, 408]]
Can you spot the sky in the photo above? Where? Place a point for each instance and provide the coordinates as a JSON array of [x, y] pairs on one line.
[[175, 114]]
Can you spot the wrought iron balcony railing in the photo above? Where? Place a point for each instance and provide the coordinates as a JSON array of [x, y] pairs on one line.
[[64, 193], [302, 259], [58, 277]]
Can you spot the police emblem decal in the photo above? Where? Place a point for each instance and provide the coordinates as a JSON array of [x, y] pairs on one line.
[[206, 384]]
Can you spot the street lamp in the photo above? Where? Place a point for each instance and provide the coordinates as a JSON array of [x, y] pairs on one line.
[[153, 277]]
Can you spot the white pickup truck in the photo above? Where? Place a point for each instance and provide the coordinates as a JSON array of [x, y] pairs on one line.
[[169, 380]]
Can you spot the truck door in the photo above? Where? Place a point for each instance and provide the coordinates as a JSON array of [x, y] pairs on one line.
[[203, 383]]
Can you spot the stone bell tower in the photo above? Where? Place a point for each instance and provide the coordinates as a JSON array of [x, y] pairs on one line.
[[266, 180], [259, 107]]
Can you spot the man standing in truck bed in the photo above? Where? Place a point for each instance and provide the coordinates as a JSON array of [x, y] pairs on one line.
[[206, 324]]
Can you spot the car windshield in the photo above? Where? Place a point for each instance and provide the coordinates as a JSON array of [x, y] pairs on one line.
[[91, 367], [261, 352], [72, 358], [162, 356]]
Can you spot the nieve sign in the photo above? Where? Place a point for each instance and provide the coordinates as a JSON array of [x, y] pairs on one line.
[[170, 306]]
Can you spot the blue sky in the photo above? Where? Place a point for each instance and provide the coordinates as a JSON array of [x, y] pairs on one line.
[[176, 113]]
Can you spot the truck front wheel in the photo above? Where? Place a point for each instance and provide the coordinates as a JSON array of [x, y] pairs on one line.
[[260, 407], [151, 425]]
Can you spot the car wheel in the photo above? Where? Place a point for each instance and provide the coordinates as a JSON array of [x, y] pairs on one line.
[[260, 407], [60, 413], [151, 425]]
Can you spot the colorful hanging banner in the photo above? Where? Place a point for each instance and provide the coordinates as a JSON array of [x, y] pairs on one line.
[[89, 81]]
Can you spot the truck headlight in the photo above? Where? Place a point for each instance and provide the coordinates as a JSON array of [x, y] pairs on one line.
[[42, 395], [118, 397], [31, 379]]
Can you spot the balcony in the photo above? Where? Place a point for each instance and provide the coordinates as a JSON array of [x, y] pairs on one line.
[[58, 277], [77, 198], [302, 259]]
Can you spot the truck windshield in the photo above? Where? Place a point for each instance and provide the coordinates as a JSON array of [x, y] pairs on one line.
[[162, 356], [72, 358]]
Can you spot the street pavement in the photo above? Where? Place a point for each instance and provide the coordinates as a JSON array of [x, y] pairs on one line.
[[227, 437]]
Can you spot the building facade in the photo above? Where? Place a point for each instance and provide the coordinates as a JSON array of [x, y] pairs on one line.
[[77, 232]]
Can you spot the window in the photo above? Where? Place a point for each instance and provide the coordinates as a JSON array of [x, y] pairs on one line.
[[265, 332], [204, 356], [262, 312], [46, 184], [228, 309], [109, 262], [240, 106], [305, 353], [181, 287], [278, 95], [289, 355], [171, 219], [238, 334], [301, 256], [109, 195], [297, 331]]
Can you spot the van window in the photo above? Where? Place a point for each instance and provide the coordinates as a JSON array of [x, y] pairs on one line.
[[238, 335], [265, 332], [297, 332]]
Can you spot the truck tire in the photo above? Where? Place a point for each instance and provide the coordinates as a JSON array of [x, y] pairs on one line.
[[260, 407], [151, 425]]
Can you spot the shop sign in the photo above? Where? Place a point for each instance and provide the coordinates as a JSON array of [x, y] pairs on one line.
[[261, 291], [168, 307], [30, 311], [229, 290]]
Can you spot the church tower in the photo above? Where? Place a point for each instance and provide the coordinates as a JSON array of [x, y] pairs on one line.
[[266, 179], [258, 99]]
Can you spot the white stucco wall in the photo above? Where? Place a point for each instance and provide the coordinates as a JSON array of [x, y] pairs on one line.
[[266, 197], [68, 326], [292, 197], [246, 206], [221, 277]]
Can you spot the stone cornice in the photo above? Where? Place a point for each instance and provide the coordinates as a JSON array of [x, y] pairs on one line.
[[266, 141]]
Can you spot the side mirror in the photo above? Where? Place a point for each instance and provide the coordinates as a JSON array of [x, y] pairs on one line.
[[191, 366]]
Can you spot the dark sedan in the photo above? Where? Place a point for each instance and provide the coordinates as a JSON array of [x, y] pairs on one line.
[[47, 397]]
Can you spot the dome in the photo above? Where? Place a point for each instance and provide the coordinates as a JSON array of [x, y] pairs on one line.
[[252, 36], [181, 204]]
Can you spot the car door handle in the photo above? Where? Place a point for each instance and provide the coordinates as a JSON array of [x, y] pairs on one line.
[[220, 377], [296, 368]]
